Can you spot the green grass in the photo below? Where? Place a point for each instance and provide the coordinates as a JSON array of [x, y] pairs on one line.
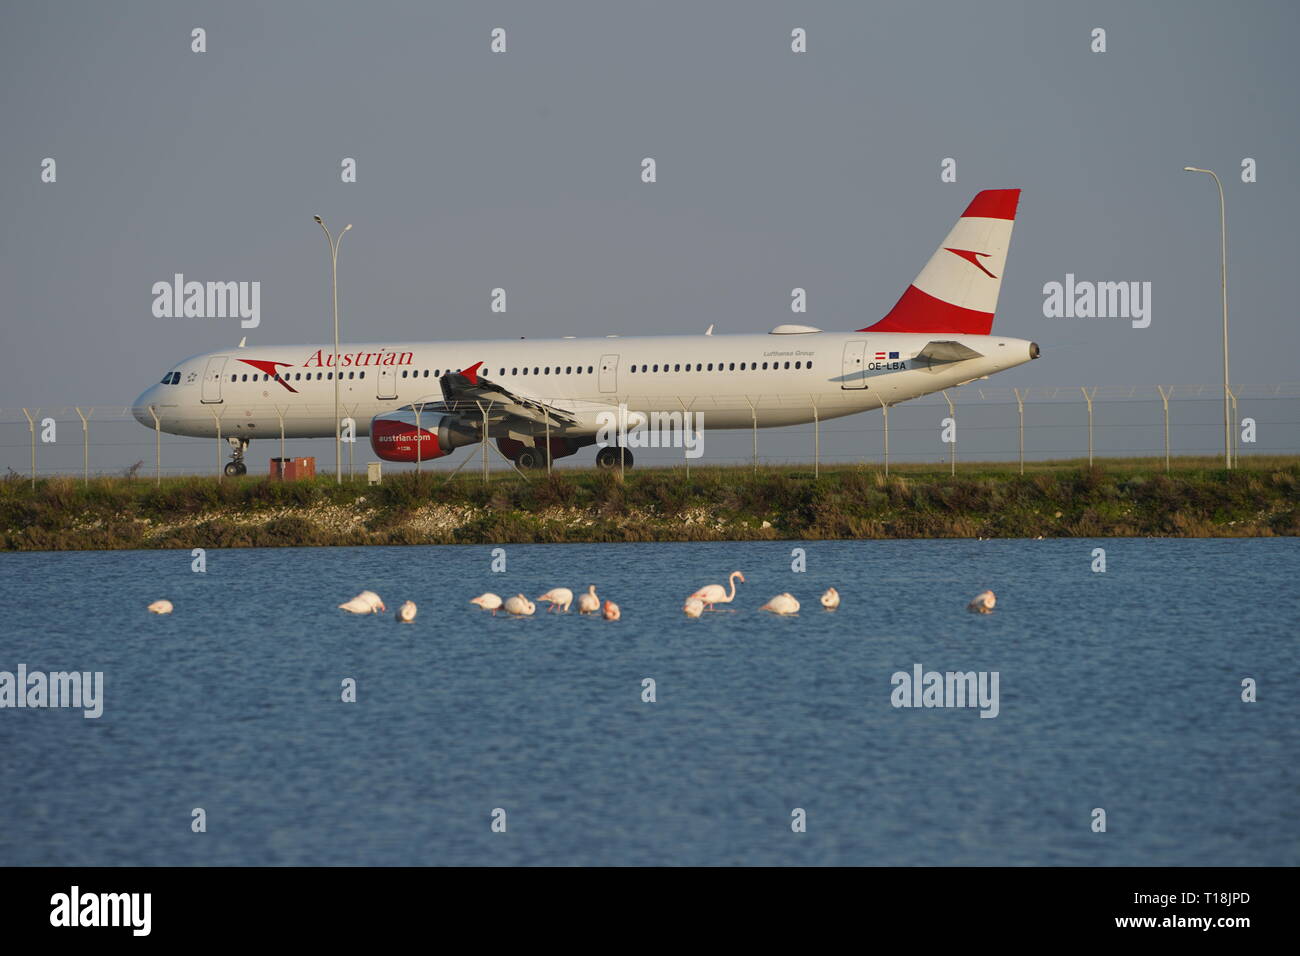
[[1120, 497]]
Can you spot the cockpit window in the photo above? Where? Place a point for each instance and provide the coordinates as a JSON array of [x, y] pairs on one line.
[[171, 378]]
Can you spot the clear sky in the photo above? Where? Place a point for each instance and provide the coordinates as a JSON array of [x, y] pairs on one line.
[[521, 170]]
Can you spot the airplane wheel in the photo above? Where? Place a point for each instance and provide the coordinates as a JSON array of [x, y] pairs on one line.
[[528, 458], [235, 468], [608, 457]]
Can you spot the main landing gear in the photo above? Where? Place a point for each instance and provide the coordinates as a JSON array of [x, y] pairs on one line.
[[609, 457], [236, 467]]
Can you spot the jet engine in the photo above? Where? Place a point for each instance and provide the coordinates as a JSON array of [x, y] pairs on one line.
[[395, 435]]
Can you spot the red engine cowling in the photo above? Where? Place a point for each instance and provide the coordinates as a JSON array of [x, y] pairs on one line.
[[394, 435]]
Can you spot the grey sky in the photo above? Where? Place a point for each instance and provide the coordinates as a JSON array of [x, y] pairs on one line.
[[521, 170]]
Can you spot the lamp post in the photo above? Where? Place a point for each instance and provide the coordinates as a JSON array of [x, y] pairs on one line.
[[334, 280], [1223, 278]]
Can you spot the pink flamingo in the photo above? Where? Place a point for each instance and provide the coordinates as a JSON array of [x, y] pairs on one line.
[[712, 594]]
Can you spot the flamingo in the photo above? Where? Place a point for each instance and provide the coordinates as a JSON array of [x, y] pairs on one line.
[[588, 603], [693, 607], [519, 605], [487, 601], [558, 597], [831, 599], [982, 603], [367, 602], [783, 603], [406, 613], [161, 606], [612, 612], [712, 594]]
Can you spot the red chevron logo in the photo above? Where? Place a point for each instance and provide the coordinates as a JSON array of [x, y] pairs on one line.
[[970, 257], [268, 368]]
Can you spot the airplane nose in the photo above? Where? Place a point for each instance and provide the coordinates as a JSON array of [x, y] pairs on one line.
[[1033, 350], [140, 409]]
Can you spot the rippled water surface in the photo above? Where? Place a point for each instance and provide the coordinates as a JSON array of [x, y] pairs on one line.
[[1119, 690]]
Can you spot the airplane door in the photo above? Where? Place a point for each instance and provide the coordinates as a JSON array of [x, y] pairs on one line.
[[212, 376], [608, 373], [386, 384], [855, 365]]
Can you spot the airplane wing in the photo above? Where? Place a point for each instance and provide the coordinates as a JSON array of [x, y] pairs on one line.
[[947, 352], [470, 393]]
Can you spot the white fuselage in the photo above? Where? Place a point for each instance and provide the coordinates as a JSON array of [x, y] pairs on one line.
[[735, 381]]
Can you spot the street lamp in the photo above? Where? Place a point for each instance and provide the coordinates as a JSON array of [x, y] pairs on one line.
[[1223, 277], [334, 274]]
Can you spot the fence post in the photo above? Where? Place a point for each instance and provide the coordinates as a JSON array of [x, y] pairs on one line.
[[419, 452], [1020, 404], [1164, 397], [157, 447], [280, 415], [884, 408], [622, 451], [31, 427], [685, 457], [817, 439], [952, 413], [85, 445], [1088, 398], [753, 415], [546, 410], [217, 418], [484, 409], [1236, 431], [352, 415]]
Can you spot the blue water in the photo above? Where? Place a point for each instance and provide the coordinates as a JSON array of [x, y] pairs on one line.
[[1119, 690]]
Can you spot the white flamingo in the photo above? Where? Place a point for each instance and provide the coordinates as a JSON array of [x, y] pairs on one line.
[[712, 594], [831, 599], [367, 602], [558, 598], [588, 603], [161, 606], [693, 607], [611, 612], [982, 603], [783, 603], [519, 605], [406, 613], [487, 601]]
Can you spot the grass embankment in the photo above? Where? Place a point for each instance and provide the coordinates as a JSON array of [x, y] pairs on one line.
[[1054, 499]]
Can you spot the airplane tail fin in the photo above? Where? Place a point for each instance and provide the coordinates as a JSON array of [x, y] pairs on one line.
[[957, 291]]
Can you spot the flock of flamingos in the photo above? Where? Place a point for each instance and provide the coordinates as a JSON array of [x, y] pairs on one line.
[[559, 600]]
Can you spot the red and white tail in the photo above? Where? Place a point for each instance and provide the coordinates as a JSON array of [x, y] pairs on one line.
[[957, 291]]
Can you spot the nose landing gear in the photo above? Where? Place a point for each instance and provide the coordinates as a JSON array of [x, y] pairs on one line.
[[236, 467]]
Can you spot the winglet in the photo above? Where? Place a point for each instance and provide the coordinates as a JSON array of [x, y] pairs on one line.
[[471, 373]]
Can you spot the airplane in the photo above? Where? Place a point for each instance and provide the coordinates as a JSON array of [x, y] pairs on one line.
[[420, 401]]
